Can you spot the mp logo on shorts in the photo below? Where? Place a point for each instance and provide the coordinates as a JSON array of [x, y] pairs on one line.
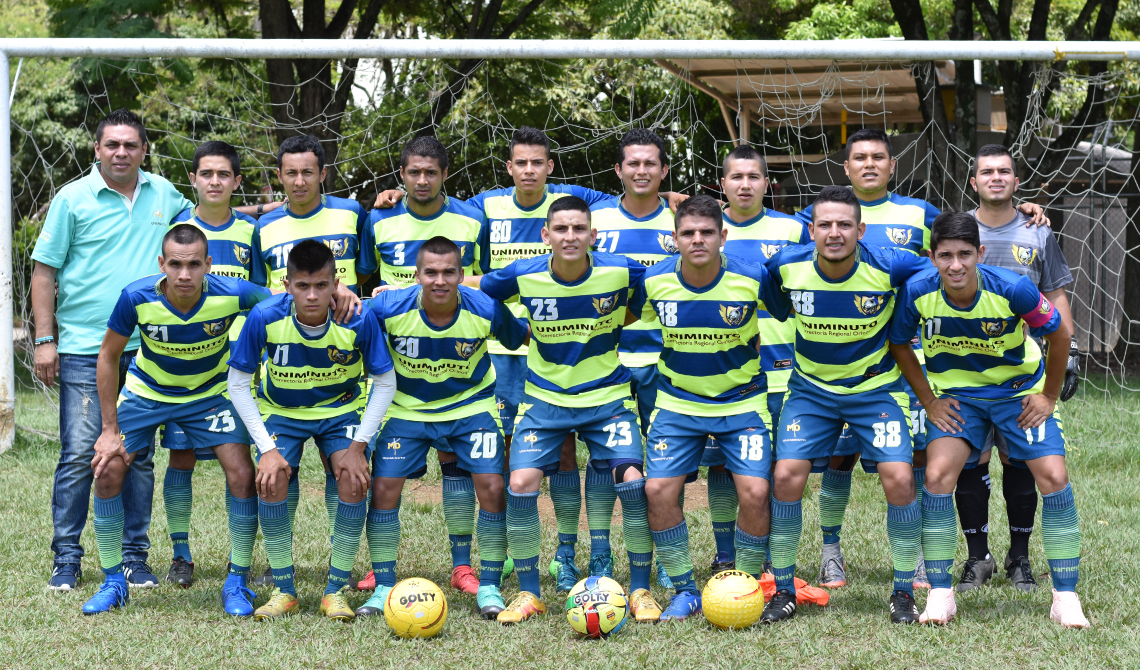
[[338, 247], [733, 315], [1024, 255], [466, 349], [605, 305], [794, 429], [667, 243], [993, 328], [241, 254], [394, 444], [769, 250], [530, 437], [869, 305], [216, 328], [900, 236], [660, 447], [340, 357]]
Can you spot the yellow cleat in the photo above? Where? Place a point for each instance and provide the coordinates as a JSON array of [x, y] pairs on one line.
[[335, 606], [644, 608], [280, 604], [524, 606]]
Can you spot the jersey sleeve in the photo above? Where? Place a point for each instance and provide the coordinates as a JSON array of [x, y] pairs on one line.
[[55, 237], [483, 246], [366, 262], [1035, 310], [805, 233], [905, 265], [183, 216], [250, 294], [502, 285], [1055, 271], [373, 347], [257, 272], [591, 196], [929, 213], [904, 322], [804, 215], [508, 329], [479, 202], [245, 353], [776, 299], [635, 301], [124, 318]]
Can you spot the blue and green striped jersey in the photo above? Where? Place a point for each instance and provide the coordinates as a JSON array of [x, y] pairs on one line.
[[755, 241], [232, 245], [841, 324], [392, 238], [336, 221], [893, 221], [709, 363], [304, 376], [183, 357], [443, 373], [980, 351], [575, 326], [647, 240]]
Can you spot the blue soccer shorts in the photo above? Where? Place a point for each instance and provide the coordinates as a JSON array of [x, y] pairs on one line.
[[643, 386], [172, 437], [331, 435], [510, 381], [610, 431], [207, 423], [1000, 416], [402, 448], [714, 457], [677, 442], [813, 419]]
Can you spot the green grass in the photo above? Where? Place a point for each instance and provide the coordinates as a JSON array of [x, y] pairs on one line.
[[171, 628]]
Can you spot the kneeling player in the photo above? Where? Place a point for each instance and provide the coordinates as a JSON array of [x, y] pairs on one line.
[[577, 304], [709, 385], [437, 334], [989, 375], [177, 378], [311, 387]]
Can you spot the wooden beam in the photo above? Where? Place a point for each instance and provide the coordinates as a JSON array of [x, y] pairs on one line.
[[728, 122]]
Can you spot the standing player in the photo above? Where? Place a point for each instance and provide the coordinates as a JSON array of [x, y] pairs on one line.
[[177, 378], [1033, 252], [990, 377], [842, 292], [577, 303], [710, 384], [437, 334], [312, 386]]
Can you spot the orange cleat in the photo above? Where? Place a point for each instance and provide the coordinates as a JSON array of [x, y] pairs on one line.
[[463, 579]]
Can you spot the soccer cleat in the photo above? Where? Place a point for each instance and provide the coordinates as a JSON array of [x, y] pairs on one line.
[[523, 607], [920, 580], [280, 604], [722, 563], [940, 607], [112, 594], [1067, 610], [602, 565], [975, 573], [683, 605], [565, 573], [374, 605], [903, 609], [65, 577], [490, 601], [663, 578], [508, 566], [1021, 574], [139, 575], [368, 583], [833, 569], [335, 606], [782, 606], [237, 599], [181, 572], [463, 579], [264, 579], [643, 607]]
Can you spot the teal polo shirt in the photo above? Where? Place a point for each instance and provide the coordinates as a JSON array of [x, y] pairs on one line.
[[99, 241]]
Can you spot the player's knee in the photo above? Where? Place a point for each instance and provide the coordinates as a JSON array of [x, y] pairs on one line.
[[386, 492], [752, 492], [526, 480], [661, 492], [941, 479], [240, 479], [110, 483], [627, 471], [488, 488]]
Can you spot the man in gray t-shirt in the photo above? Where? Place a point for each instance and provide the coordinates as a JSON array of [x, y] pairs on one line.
[[1033, 252]]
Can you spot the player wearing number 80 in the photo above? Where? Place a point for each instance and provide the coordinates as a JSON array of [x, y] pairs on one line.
[[177, 378]]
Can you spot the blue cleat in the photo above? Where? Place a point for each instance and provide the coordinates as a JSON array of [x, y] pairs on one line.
[[663, 578], [602, 565], [139, 575], [237, 599], [374, 606], [112, 594], [565, 572], [683, 605]]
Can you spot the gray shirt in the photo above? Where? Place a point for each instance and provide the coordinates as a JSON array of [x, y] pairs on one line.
[[1032, 251]]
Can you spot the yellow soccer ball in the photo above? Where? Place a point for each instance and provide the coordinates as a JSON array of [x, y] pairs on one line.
[[732, 599], [415, 607], [597, 607]]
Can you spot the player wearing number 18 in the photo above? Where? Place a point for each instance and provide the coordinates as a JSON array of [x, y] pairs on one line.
[[178, 379]]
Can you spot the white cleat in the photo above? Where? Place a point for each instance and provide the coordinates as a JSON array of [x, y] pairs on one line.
[[1067, 610], [940, 607]]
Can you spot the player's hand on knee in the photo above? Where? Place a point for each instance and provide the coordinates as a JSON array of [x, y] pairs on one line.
[[345, 304], [388, 199], [108, 447], [351, 470], [273, 471], [1035, 409], [943, 413]]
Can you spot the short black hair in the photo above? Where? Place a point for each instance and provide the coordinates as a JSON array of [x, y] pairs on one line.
[[440, 246], [426, 146], [702, 206], [121, 117], [310, 257], [217, 148], [642, 137], [955, 226], [570, 203], [870, 135], [531, 137], [302, 144], [989, 150], [840, 194], [745, 152], [185, 233]]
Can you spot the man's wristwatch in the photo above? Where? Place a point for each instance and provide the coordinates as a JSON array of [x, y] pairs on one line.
[[260, 209]]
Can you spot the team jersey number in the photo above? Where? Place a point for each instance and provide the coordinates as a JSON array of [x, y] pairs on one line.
[[281, 355], [281, 254], [751, 447], [158, 333], [668, 313], [544, 309], [484, 445], [398, 254], [918, 418], [222, 422], [619, 434], [1040, 434], [932, 327], [887, 434], [803, 302], [500, 231], [610, 237], [408, 346]]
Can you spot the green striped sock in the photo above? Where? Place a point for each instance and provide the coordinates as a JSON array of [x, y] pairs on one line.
[[278, 534], [939, 537], [293, 495], [523, 537], [109, 533], [492, 530], [566, 494], [459, 514], [635, 529], [724, 504], [1061, 535], [332, 499], [600, 499], [178, 498], [834, 492], [346, 542], [673, 552], [384, 544], [242, 515], [751, 552], [919, 484], [904, 532], [784, 541]]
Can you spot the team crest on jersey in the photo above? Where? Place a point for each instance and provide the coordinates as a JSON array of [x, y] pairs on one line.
[[340, 357], [733, 315], [667, 243], [1046, 306], [769, 250], [466, 349], [605, 305], [993, 328], [338, 247], [900, 236], [869, 304], [241, 254], [216, 328], [1024, 255]]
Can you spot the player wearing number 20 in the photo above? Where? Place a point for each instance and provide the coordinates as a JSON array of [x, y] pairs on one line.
[[988, 375], [178, 378]]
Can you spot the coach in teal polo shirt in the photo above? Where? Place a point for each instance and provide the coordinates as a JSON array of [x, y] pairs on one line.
[[102, 232]]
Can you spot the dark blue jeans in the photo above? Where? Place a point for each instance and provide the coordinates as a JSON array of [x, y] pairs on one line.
[[80, 423]]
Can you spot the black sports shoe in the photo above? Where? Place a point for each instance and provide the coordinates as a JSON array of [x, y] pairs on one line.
[[975, 573], [139, 575], [1020, 574], [903, 609], [264, 579], [722, 566], [782, 606], [181, 572]]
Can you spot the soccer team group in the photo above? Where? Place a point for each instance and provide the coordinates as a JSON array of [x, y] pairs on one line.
[[666, 333]]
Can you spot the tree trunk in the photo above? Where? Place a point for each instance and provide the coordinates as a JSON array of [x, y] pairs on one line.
[[965, 103]]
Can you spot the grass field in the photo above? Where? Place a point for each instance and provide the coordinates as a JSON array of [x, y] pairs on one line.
[[169, 628]]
